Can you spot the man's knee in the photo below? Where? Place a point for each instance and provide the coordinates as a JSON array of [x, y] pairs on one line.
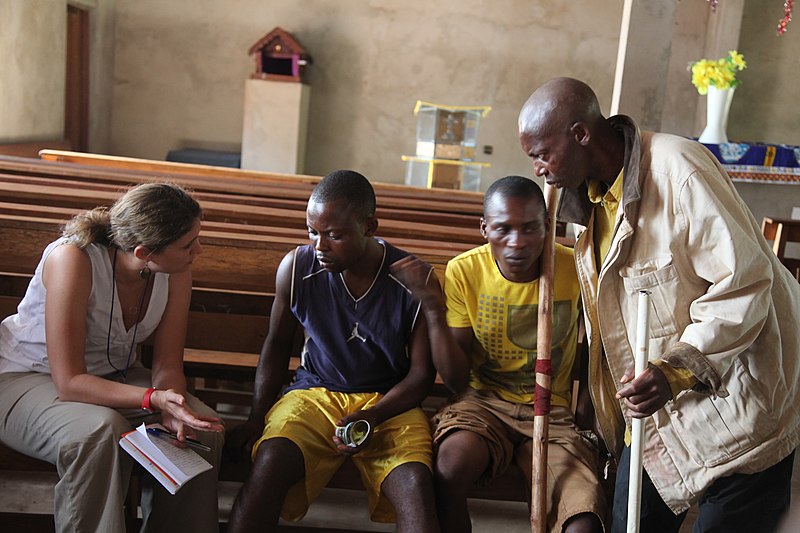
[[409, 484], [278, 458], [583, 523], [411, 474], [460, 461], [448, 466]]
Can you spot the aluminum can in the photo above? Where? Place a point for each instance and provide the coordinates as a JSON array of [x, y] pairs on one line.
[[354, 433]]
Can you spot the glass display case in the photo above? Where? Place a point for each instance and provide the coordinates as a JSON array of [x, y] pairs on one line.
[[448, 132], [447, 137], [443, 173]]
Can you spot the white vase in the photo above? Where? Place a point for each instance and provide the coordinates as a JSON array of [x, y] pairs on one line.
[[718, 105]]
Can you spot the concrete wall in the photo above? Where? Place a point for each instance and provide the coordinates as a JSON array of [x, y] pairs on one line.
[[33, 36], [765, 107], [180, 68], [102, 16], [681, 99], [167, 75]]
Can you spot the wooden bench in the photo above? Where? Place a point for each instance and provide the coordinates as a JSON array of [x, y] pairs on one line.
[[64, 194], [279, 195], [203, 360], [32, 148], [228, 320], [782, 232], [204, 363], [252, 257], [226, 175], [236, 182]]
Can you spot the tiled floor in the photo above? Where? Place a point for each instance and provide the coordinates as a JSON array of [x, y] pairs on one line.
[[345, 510], [336, 509]]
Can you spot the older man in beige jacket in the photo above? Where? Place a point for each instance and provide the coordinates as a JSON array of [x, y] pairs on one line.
[[720, 397]]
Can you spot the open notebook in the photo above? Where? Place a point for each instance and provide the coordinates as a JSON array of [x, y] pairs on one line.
[[170, 465]]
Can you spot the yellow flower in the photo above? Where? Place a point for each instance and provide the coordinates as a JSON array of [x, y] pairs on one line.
[[700, 77], [738, 60], [720, 73]]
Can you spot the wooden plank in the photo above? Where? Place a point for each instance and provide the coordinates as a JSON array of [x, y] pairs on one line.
[[54, 195], [14, 460], [32, 148], [226, 333], [62, 214], [225, 301], [245, 362], [388, 196], [231, 261], [8, 305], [275, 197], [228, 173]]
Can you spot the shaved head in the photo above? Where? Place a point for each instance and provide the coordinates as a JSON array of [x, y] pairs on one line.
[[557, 105], [563, 131]]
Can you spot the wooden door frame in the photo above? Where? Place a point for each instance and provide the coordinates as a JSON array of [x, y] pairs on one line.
[[76, 108]]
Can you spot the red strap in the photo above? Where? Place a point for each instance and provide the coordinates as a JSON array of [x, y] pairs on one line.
[[544, 366], [541, 402], [146, 399]]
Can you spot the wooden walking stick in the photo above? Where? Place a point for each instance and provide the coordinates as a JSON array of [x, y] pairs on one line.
[[637, 424], [544, 369]]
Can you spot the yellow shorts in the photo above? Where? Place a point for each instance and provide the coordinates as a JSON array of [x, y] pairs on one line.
[[308, 418]]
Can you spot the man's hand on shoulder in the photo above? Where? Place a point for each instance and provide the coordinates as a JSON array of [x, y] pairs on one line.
[[419, 278], [412, 273]]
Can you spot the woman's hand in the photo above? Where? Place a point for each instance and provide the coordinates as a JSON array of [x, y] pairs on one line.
[[178, 418]]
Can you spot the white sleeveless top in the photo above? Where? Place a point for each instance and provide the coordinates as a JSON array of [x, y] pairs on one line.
[[22, 336]]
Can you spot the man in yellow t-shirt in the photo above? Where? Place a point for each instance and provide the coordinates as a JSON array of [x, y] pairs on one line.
[[502, 315], [483, 338]]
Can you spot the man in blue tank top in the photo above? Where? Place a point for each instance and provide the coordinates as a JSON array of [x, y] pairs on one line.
[[366, 356]]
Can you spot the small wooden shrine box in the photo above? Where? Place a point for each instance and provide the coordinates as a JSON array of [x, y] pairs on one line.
[[280, 57]]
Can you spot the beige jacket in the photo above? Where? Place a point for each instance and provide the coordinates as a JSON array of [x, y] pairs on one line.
[[723, 306]]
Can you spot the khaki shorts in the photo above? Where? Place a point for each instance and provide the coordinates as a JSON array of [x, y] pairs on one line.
[[573, 485], [308, 418]]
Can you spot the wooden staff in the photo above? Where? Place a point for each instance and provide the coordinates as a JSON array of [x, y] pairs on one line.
[[544, 369], [637, 424]]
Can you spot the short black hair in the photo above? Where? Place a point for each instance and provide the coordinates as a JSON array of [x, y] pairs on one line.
[[350, 186], [513, 187]]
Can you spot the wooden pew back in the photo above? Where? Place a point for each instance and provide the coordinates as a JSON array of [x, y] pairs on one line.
[[234, 277]]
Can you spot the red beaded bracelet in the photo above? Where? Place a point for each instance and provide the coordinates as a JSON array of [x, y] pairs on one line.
[[146, 399]]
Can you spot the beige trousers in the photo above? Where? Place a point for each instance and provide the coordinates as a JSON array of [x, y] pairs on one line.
[[82, 441]]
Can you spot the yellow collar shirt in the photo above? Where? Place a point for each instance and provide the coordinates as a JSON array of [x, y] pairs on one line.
[[606, 201]]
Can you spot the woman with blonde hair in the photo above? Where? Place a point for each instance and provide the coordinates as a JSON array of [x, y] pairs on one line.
[[70, 380]]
